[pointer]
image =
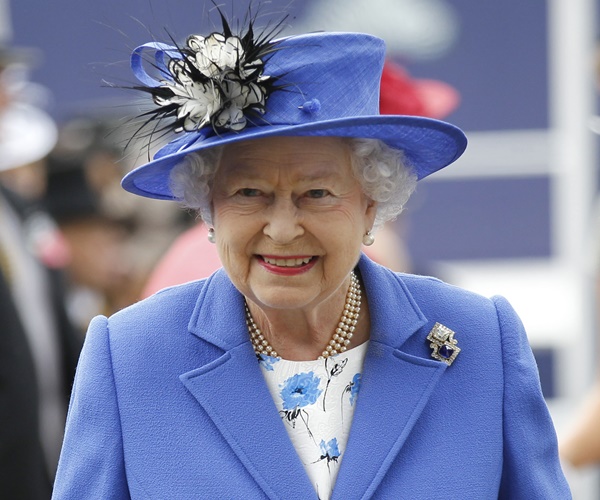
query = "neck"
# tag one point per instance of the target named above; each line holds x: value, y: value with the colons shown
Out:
x: 303, y: 334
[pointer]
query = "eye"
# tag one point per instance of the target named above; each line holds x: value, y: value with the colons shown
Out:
x: 249, y: 192
x: 317, y: 193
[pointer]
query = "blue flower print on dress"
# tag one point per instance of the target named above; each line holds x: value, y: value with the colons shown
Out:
x: 330, y: 450
x: 267, y: 362
x: 354, y: 388
x: 300, y: 390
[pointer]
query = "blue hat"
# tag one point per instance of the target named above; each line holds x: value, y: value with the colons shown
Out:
x: 223, y: 89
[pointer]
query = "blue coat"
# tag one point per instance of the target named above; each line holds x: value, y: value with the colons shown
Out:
x: 170, y: 403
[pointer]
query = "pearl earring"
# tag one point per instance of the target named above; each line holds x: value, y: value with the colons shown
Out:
x: 368, y: 239
x: 211, y: 235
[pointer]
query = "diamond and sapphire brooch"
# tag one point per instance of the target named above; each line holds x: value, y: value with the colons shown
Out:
x: 443, y: 344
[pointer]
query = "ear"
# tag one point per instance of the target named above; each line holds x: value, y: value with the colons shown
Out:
x: 370, y: 213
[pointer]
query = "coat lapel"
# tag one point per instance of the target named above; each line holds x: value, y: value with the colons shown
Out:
x: 395, y: 387
x: 233, y: 392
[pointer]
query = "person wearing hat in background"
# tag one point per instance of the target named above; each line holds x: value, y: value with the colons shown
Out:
x: 99, y: 271
x: 301, y: 369
x: 96, y: 226
x: 192, y: 256
x: 38, y: 344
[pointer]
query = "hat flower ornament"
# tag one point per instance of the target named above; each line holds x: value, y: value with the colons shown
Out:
x: 215, y: 85
x: 226, y: 88
x: 215, y: 81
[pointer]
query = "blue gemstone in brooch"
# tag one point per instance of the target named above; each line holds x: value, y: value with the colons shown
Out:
x: 443, y: 344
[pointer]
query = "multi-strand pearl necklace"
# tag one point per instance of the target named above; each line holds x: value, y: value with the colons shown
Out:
x: 341, y: 337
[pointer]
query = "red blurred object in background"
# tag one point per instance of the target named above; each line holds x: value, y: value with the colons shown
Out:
x: 402, y: 95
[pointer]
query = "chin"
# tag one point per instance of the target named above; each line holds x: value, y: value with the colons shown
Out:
x: 282, y: 298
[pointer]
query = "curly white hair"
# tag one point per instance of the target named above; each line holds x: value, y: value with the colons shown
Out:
x: 384, y: 174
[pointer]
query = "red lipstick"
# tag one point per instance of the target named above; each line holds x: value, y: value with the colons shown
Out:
x: 285, y: 270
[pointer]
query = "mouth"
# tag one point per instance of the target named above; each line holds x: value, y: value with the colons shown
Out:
x: 288, y: 261
x: 287, y: 266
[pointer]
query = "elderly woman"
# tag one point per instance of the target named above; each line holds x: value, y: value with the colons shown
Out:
x: 301, y: 369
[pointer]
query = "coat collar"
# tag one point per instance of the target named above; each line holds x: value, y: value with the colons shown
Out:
x: 233, y: 392
x: 219, y: 313
x: 395, y: 386
x: 232, y: 388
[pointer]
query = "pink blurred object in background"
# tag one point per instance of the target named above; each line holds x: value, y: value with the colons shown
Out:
x: 190, y: 257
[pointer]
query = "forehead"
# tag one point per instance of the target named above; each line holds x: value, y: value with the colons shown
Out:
x: 304, y: 156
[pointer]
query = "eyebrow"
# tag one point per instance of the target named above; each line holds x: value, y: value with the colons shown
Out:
x: 252, y: 171
x: 319, y: 175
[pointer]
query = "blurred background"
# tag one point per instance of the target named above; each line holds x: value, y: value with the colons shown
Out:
x: 517, y: 215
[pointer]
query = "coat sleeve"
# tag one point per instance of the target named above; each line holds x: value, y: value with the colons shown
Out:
x: 92, y: 463
x: 531, y: 468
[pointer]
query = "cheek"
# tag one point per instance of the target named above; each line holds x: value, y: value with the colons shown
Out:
x: 226, y: 224
x: 228, y: 244
x: 341, y: 238
x: 233, y: 239
x: 235, y: 263
x: 349, y: 221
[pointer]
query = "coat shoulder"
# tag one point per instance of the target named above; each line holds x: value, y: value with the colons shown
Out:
x: 156, y: 324
x: 164, y: 307
x: 473, y: 317
x: 432, y: 294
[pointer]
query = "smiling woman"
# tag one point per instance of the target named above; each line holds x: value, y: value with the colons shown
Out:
x: 289, y: 218
x: 301, y: 369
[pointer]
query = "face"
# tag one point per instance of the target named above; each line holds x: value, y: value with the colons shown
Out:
x: 289, y: 218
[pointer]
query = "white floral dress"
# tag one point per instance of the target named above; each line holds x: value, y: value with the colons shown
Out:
x: 316, y: 401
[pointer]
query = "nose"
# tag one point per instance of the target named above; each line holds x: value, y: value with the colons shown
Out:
x: 283, y: 224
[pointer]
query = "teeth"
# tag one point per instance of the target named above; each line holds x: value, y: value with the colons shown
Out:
x: 288, y: 262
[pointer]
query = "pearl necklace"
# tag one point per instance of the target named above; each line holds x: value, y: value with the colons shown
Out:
x: 341, y: 337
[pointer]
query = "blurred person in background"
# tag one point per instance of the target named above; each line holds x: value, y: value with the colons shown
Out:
x: 100, y: 270
x: 38, y: 344
x: 192, y: 256
x: 113, y: 238
x: 580, y: 444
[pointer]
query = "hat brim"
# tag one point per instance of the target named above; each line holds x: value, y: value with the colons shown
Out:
x: 428, y: 144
